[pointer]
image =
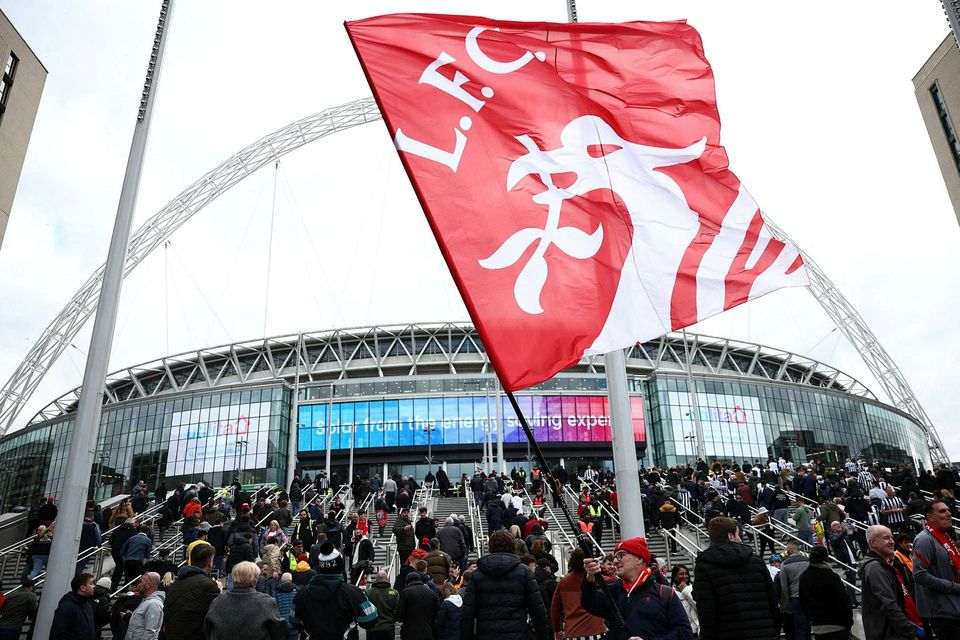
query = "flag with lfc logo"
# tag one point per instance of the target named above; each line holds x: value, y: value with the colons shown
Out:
x: 573, y: 177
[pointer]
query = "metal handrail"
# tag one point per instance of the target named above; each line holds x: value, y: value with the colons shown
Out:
x: 753, y: 529
x: 391, y: 559
x: 175, y: 543
x: 690, y: 547
x: 152, y: 514
x: 471, y: 504
x: 478, y: 533
x: 613, y: 513
x: 17, y: 546
x: 573, y: 544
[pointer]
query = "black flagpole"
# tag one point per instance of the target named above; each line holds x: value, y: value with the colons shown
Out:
x: 582, y: 540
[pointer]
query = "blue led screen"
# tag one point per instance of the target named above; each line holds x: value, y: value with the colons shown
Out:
x: 457, y: 420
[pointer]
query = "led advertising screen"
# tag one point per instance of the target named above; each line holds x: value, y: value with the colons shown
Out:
x: 732, y: 425
x: 457, y: 420
x: 219, y: 439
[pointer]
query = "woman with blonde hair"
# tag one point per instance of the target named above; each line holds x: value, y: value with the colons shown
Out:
x: 270, y: 553
x: 244, y: 612
x: 521, y: 545
x: 275, y: 534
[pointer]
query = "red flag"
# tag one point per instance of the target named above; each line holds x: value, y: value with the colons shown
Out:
x: 574, y: 179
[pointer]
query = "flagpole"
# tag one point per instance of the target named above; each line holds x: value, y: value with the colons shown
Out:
x: 73, y: 498
x: 621, y: 425
x: 545, y: 471
x: 624, y: 447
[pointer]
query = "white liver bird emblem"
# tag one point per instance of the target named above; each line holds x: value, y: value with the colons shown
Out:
x: 593, y: 171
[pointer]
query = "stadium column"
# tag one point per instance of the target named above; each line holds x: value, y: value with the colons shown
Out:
x: 73, y: 498
x: 293, y: 442
x: 501, y: 463
x: 326, y: 469
x: 624, y: 446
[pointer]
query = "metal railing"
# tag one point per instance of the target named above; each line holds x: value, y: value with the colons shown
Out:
x: 97, y: 554
x: 481, y: 536
x: 473, y: 511
x: 698, y: 529
x: 689, y: 547
x: 175, y: 542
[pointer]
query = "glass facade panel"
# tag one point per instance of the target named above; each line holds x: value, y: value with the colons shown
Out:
x: 754, y: 421
x: 212, y: 437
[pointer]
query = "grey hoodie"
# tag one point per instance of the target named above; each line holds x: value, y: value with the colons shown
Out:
x: 790, y: 572
x: 147, y: 619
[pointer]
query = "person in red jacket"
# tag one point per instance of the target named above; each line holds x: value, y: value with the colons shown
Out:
x: 193, y: 508
x: 567, y: 617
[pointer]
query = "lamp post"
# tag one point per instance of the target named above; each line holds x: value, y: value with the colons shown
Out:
x: 429, y: 428
x: 241, y: 446
x: 102, y: 458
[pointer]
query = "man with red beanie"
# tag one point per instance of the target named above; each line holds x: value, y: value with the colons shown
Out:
x: 650, y: 611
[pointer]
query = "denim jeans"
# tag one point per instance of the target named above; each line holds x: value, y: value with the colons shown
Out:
x: 39, y: 563
x: 780, y: 515
x: 801, y: 625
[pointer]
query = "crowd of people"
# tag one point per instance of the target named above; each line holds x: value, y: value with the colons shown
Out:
x: 295, y: 565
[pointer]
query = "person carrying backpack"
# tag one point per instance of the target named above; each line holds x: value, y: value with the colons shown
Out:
x: 327, y: 606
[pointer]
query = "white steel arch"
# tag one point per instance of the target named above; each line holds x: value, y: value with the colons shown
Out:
x: 61, y: 331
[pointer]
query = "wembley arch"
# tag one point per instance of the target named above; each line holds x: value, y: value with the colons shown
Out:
x: 57, y: 336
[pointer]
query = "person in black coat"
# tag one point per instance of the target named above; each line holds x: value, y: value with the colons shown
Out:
x: 425, y: 526
x: 448, y: 616
x: 733, y: 591
x: 443, y: 483
x: 501, y: 595
x: 823, y: 597
x: 123, y: 533
x: 547, y: 583
x: 495, y: 516
x: 417, y: 610
x: 73, y: 619
x: 239, y: 552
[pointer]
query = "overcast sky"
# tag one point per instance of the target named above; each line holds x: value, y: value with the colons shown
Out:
x: 819, y: 121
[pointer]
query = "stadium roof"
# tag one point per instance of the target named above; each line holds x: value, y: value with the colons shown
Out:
x: 429, y: 349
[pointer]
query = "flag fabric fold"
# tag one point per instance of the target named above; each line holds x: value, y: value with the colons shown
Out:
x: 573, y: 177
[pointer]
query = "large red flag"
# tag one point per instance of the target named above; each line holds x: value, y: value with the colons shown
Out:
x: 574, y: 179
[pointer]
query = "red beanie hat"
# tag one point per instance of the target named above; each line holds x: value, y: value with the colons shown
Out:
x: 635, y: 546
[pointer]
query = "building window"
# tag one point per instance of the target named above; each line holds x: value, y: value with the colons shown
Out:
x: 946, y: 123
x: 9, y: 71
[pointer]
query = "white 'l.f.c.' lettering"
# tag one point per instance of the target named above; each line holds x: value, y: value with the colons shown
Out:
x: 486, y: 63
x: 432, y: 76
x: 451, y: 159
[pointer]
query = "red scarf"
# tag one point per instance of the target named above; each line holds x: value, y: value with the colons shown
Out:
x: 953, y: 549
x: 909, y: 606
x: 643, y: 577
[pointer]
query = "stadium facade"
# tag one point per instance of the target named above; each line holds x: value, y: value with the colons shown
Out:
x: 389, y: 397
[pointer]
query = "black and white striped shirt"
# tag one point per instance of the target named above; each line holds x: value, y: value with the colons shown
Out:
x: 866, y: 480
x: 892, y: 503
